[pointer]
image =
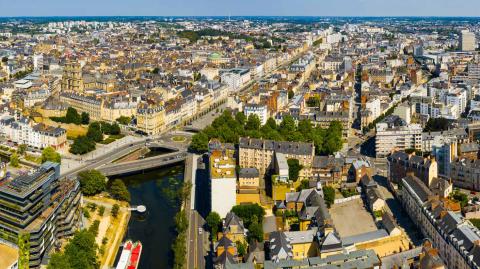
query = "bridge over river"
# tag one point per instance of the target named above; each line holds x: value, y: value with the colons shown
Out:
x: 141, y: 165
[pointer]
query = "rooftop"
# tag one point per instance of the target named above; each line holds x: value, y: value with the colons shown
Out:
x: 26, y: 183
x: 8, y: 256
x: 222, y: 164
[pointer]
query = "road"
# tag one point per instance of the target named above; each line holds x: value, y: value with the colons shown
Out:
x: 128, y: 148
x: 142, y: 164
x: 198, y: 241
x: 197, y: 237
x: 395, y: 208
x: 105, y: 158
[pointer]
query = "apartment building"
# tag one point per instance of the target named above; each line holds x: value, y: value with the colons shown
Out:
x: 259, y: 153
x: 323, y: 119
x: 465, y: 173
x: 359, y: 259
x: 83, y: 103
x: 151, y: 119
x: 40, y: 209
x: 392, y: 134
x: 401, y: 163
x: 115, y: 108
x: 456, y: 240
x: 235, y: 78
x: 429, y: 139
x: 40, y: 136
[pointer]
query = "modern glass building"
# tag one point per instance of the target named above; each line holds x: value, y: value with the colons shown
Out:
x: 37, y: 209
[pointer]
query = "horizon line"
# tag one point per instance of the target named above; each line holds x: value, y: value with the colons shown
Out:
x: 233, y: 16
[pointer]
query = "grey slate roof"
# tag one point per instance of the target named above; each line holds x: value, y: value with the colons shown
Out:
x: 280, y: 247
x: 297, y: 148
x: 418, y: 187
x: 248, y: 172
x: 351, y: 240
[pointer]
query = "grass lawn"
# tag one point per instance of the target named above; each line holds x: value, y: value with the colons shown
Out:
x: 475, y: 222
x: 178, y: 138
x: 111, y: 138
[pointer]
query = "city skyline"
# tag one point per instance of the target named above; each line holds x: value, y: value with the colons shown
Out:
x: 347, y: 8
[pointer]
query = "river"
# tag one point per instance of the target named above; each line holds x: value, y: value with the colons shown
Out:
x: 155, y: 229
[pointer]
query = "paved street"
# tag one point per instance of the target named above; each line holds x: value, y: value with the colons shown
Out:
x: 396, y: 209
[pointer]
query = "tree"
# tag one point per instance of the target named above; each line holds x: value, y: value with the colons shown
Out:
x: 95, y: 132
x: 287, y: 126
x: 242, y: 248
x: 82, y: 145
x: 240, y: 118
x: 333, y: 140
x: 460, y: 197
x: 255, y: 230
x: 101, y: 211
x: 119, y: 191
x: 213, y: 221
x: 85, y: 118
x: 247, y: 211
x: 294, y: 168
x: 50, y: 155
x: 197, y: 76
x: 58, y: 261
x: 22, y: 149
x: 271, y: 123
x: 72, y: 116
x: 329, y: 195
x: 304, y: 184
x: 181, y: 222
x: 253, y: 123
x: 82, y: 251
x: 114, y: 129
x: 94, y: 227
x: 290, y: 94
x: 199, y: 142
x: 124, y: 120
x: 115, y: 210
x: 305, y: 127
x: 92, y: 182
x: 437, y: 124
x: 14, y: 160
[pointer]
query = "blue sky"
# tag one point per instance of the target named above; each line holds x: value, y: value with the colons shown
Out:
x: 240, y: 7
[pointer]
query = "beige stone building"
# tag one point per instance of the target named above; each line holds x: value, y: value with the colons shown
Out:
x: 150, y: 119
x: 259, y: 153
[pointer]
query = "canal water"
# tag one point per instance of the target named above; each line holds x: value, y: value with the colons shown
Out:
x: 157, y: 190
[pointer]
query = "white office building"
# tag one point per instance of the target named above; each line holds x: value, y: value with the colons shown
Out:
x: 467, y: 41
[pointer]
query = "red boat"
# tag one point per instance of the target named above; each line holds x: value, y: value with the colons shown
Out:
x: 130, y: 257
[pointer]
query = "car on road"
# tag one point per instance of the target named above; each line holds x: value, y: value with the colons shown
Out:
x: 200, y: 230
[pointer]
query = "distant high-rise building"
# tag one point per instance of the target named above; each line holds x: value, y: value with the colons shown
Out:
x: 467, y: 41
x: 37, y: 62
x: 418, y: 50
x: 347, y: 64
